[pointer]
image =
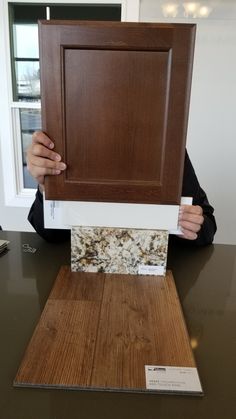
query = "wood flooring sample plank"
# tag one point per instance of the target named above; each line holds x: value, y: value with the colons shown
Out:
x: 61, y: 350
x: 141, y: 323
x: 98, y: 331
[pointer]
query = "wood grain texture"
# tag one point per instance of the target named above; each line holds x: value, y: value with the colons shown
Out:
x: 115, y: 100
x: 98, y: 331
x: 144, y: 326
x: 61, y: 350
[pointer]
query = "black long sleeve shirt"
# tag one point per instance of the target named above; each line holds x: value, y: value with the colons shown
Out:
x: 190, y: 187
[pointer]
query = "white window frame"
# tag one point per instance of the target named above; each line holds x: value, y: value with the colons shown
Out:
x: 10, y: 136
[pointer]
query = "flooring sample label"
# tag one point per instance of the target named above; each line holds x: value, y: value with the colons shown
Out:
x: 172, y: 379
x: 117, y: 250
x: 98, y: 331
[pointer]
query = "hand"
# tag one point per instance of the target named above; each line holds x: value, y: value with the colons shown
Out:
x: 190, y: 221
x: 41, y: 160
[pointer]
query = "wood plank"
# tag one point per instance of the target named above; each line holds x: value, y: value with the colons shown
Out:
x: 98, y: 331
x: 141, y: 323
x: 69, y: 286
x: 61, y: 350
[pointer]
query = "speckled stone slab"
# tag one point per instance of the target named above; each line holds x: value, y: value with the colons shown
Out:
x: 119, y: 250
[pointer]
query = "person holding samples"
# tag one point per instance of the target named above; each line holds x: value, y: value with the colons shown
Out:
x: 196, y: 221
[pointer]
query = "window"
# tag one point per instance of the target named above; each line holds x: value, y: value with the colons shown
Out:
x: 25, y: 62
x: 20, y: 104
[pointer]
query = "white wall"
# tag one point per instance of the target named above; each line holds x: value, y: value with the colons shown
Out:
x: 12, y: 218
x: 211, y: 140
x: 212, y: 128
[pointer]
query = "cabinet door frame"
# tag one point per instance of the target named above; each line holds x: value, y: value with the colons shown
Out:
x: 62, y: 39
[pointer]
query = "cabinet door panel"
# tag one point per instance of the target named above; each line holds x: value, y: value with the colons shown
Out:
x: 115, y: 100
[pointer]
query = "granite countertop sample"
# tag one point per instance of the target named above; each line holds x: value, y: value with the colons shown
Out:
x: 117, y: 250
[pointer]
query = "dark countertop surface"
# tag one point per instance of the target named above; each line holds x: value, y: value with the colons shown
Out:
x: 206, y: 283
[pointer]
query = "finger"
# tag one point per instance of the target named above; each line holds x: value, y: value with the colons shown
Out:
x: 39, y: 137
x: 191, y: 213
x: 39, y: 172
x: 39, y: 162
x: 192, y: 227
x: 191, y: 218
x: 42, y: 151
x: 191, y: 209
x: 43, y: 171
x: 187, y: 234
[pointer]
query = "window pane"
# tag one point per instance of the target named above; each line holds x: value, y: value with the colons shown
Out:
x: 27, y: 80
x: 86, y: 12
x: 27, y: 13
x: 30, y: 120
x: 26, y: 41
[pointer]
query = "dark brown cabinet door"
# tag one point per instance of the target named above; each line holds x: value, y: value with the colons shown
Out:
x: 115, y: 100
